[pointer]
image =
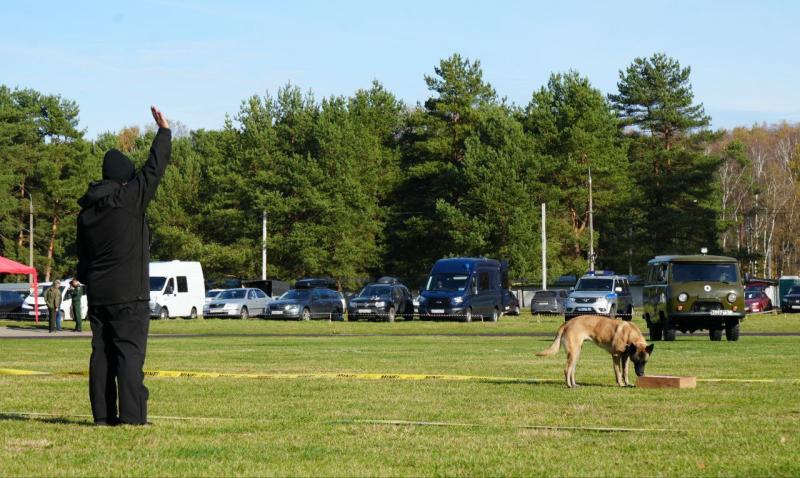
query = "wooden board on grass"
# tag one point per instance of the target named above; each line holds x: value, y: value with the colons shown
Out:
x: 666, y: 381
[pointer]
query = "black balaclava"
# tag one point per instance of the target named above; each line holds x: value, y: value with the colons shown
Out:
x: 117, y: 166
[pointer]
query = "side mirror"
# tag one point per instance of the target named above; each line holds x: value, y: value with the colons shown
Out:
x: 618, y: 289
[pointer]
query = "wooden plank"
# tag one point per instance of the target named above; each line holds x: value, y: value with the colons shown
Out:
x: 666, y: 381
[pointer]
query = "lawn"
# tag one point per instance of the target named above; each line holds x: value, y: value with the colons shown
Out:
x: 331, y: 427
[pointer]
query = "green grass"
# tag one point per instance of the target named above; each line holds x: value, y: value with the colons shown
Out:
x: 297, y: 427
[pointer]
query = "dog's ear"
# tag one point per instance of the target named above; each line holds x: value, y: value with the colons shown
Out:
x: 649, y: 348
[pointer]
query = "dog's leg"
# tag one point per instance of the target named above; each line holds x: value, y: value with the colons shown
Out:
x: 625, y: 363
x: 618, y: 369
x: 573, y: 354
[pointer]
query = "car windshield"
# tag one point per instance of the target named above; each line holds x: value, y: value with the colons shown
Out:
x: 296, y: 294
x: 375, y: 291
x: 752, y: 295
x: 447, y: 282
x: 704, y: 272
x: 232, y: 294
x: 544, y: 294
x: 795, y: 290
x: 157, y: 283
x: 603, y: 285
x: 212, y: 293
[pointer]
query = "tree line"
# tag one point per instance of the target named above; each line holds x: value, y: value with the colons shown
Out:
x: 365, y: 185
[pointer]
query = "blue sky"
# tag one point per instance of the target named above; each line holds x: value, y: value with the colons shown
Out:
x: 198, y: 60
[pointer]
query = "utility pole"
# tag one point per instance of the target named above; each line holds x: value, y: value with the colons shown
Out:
x: 591, y: 225
x: 544, y: 248
x: 30, y: 232
x: 264, y: 245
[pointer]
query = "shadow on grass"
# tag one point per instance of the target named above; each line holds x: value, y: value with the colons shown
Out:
x: 53, y: 420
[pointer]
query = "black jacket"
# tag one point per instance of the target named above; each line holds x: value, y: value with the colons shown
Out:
x: 113, y: 237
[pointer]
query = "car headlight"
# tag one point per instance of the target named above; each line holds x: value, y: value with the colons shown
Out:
x: 231, y: 306
x: 292, y: 308
x: 683, y: 297
x: 731, y: 297
x: 601, y: 302
x: 457, y: 300
x: 380, y: 303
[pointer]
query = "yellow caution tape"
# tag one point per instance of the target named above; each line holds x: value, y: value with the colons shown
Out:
x: 365, y: 376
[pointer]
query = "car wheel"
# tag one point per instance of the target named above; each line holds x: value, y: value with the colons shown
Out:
x: 336, y: 315
x: 193, y: 314
x: 244, y: 313
x: 715, y: 334
x: 628, y: 314
x: 391, y: 314
x: 306, y: 315
x: 163, y: 314
x: 669, y: 331
x: 732, y: 332
x: 468, y: 315
x: 656, y: 332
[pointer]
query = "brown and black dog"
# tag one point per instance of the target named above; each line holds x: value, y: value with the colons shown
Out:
x: 621, y: 339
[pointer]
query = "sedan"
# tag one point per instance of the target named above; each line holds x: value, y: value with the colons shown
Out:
x: 756, y: 301
x: 238, y: 303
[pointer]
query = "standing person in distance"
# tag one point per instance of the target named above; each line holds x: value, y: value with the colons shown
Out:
x: 75, y: 292
x: 52, y: 297
x: 113, y: 262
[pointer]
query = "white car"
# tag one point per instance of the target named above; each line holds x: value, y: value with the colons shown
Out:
x: 242, y: 302
x: 66, y: 304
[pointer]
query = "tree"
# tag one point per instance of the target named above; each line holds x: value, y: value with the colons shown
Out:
x: 672, y: 171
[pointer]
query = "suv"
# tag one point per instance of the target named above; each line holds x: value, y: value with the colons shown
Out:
x: 600, y: 295
x: 384, y: 299
x: 548, y: 301
x: 694, y: 292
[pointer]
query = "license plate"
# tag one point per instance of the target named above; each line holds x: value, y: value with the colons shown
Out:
x: 276, y: 312
x: 364, y: 311
x: 796, y: 307
x: 721, y: 312
x: 543, y: 303
x: 585, y: 309
x: 437, y: 311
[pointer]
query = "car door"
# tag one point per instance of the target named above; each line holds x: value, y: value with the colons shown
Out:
x: 317, y: 303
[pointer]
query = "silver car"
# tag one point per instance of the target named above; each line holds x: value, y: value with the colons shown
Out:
x: 243, y: 302
x: 548, y: 301
x: 600, y: 295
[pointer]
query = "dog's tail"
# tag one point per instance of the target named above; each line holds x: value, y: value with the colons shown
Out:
x: 556, y: 345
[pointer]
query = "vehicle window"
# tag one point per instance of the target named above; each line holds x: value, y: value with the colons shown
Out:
x: 795, y: 290
x: 544, y: 294
x: 595, y: 285
x: 210, y: 293
x: 483, y: 281
x: 170, y: 286
x: 375, y: 291
x: 157, y: 283
x: 447, y: 282
x: 397, y: 294
x: 296, y: 294
x: 232, y: 294
x: 315, y: 294
x: 661, y: 273
x: 182, y: 285
x: 260, y: 294
x: 683, y: 272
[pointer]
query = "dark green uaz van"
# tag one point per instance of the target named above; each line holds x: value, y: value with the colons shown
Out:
x: 695, y: 292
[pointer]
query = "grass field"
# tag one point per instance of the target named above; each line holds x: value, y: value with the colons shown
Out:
x: 320, y: 427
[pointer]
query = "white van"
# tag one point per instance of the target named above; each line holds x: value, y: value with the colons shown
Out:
x: 66, y: 304
x: 177, y: 289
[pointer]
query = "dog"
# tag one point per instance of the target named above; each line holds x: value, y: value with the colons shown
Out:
x: 623, y: 340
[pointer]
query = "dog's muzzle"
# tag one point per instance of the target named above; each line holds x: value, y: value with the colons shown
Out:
x: 639, y: 367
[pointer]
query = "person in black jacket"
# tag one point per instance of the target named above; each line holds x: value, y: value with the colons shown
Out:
x: 113, y: 262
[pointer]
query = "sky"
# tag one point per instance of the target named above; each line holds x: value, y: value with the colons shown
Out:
x: 197, y: 60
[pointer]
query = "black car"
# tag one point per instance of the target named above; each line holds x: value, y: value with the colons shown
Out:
x: 510, y: 303
x: 385, y: 299
x: 11, y: 302
x: 791, y: 301
x: 306, y: 304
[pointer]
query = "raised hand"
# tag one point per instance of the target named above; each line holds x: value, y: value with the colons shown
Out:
x: 161, y: 121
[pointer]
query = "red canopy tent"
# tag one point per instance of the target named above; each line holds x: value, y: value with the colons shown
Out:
x: 7, y: 266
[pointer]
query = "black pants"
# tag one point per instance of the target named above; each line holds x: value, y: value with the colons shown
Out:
x: 119, y: 344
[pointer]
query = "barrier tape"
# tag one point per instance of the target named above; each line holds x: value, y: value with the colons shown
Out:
x: 367, y: 376
x: 523, y: 427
